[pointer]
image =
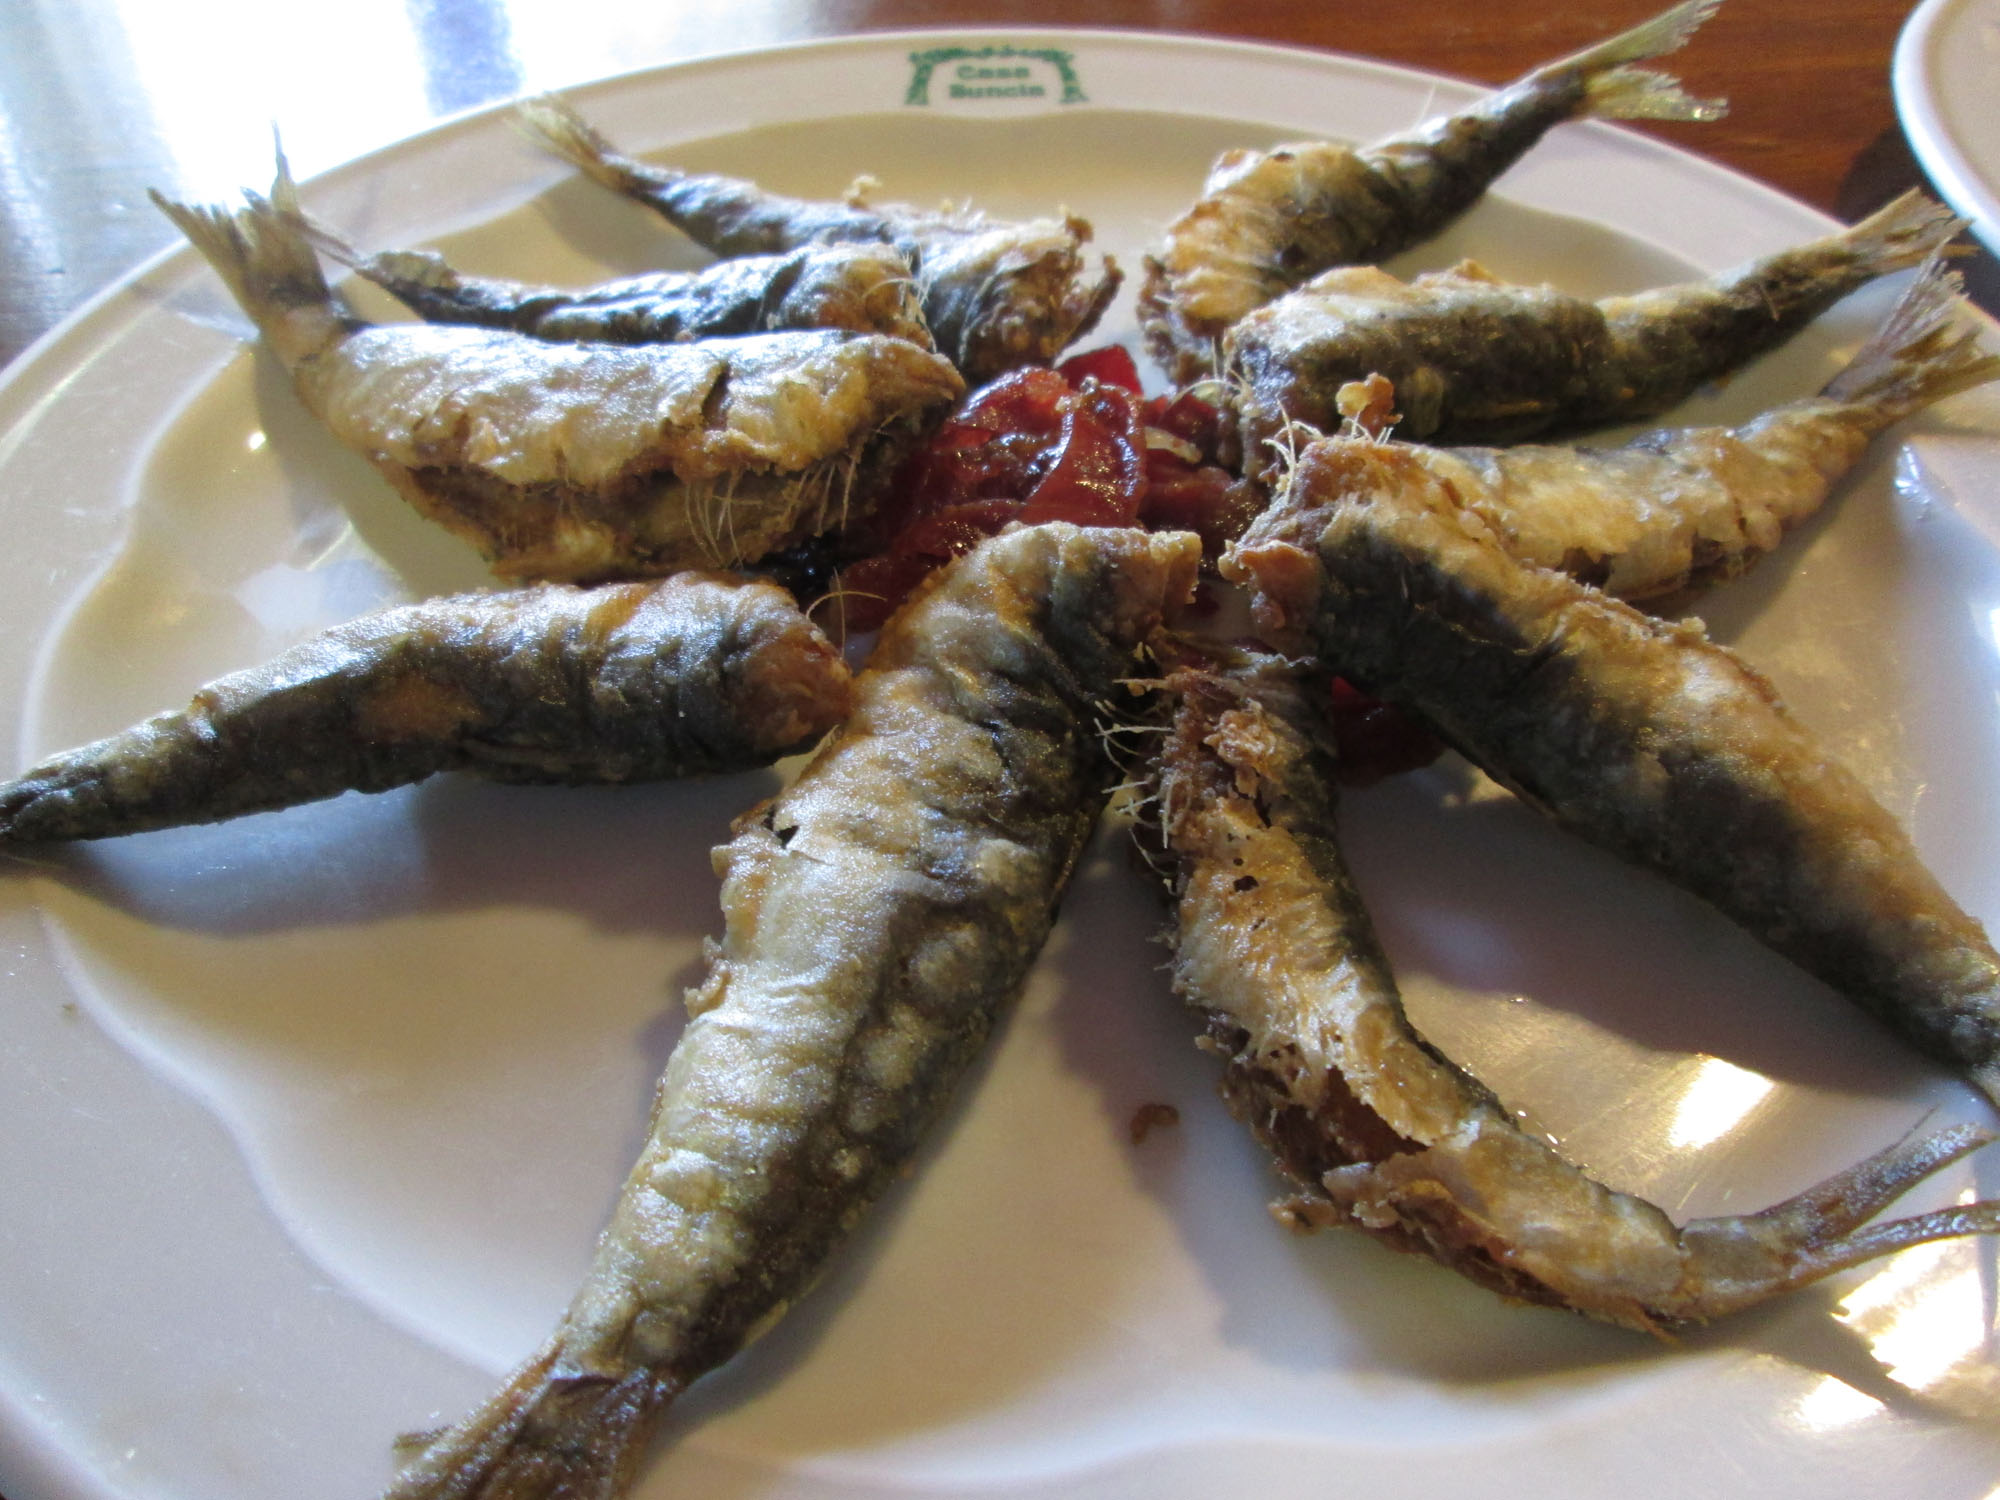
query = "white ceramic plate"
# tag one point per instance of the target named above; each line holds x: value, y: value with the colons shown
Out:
x: 307, y: 1123
x: 1946, y: 78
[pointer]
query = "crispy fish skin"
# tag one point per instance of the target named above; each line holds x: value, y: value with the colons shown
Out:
x: 1679, y: 508
x: 1640, y: 735
x: 1373, y: 1126
x: 864, y: 288
x: 996, y: 295
x: 1474, y: 359
x: 1268, y: 221
x: 623, y: 682
x: 879, y: 914
x: 584, y: 462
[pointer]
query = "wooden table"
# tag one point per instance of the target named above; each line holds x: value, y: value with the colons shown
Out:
x: 100, y: 100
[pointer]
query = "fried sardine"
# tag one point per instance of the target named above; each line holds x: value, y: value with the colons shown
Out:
x: 879, y: 914
x: 1680, y: 508
x: 554, y: 684
x: 863, y: 288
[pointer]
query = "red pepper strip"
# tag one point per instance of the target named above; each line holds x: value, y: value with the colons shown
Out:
x: 957, y: 529
x: 1188, y: 418
x: 1207, y: 501
x: 872, y: 588
x: 1100, y: 469
x: 1028, y: 400
x: 1374, y: 740
x: 1111, y: 365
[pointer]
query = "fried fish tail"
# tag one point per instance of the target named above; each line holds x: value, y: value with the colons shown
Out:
x: 1373, y: 1127
x: 1666, y: 343
x: 1827, y: 1227
x: 269, y: 267
x: 545, y: 1434
x: 627, y: 682
x: 1443, y: 167
x: 880, y: 913
x: 1637, y: 734
x: 1922, y: 353
x: 552, y: 122
x: 1615, y: 90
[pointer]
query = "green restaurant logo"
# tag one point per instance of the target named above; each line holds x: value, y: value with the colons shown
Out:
x: 994, y: 73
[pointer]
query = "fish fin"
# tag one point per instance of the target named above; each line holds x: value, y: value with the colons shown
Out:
x: 422, y: 279
x: 551, y: 121
x: 263, y: 255
x: 1904, y: 232
x: 1920, y: 354
x: 545, y: 1435
x: 1743, y: 1260
x: 1646, y: 94
x: 333, y: 246
x: 1615, y: 91
x: 1666, y: 32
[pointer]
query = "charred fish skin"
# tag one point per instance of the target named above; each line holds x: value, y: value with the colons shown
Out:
x: 579, y: 462
x: 697, y: 674
x: 1677, y: 509
x: 1478, y: 360
x: 996, y: 295
x: 864, y: 288
x: 1372, y: 1126
x: 1637, y: 734
x: 1268, y: 221
x: 879, y: 914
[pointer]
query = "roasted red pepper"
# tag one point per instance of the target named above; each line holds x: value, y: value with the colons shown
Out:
x: 1099, y: 474
x: 1068, y: 444
x: 1374, y: 740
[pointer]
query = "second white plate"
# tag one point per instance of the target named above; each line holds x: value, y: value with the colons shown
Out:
x: 1946, y: 77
